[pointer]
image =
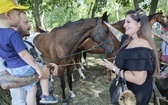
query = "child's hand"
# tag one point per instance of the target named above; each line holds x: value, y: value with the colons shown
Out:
x: 39, y: 72
x: 43, y: 72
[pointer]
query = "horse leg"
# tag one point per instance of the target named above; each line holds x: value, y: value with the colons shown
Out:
x: 61, y: 76
x: 69, y: 75
x: 80, y: 65
x: 81, y: 73
x: 72, y: 77
x: 84, y: 57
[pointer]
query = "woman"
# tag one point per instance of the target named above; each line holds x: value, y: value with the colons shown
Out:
x: 137, y: 58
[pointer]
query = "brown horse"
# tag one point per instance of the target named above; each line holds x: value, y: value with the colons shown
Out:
x: 60, y: 45
x: 88, y: 43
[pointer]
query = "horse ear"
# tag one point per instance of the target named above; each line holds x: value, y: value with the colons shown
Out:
x: 105, y: 17
x: 161, y: 12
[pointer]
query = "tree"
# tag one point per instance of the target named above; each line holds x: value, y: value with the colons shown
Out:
x: 36, y: 14
x: 136, y: 4
x: 153, y: 7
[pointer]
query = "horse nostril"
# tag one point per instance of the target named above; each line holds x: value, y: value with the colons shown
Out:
x: 109, y: 50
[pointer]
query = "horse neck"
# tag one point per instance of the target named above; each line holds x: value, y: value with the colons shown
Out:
x: 86, y: 27
x: 80, y: 41
x: 152, y: 21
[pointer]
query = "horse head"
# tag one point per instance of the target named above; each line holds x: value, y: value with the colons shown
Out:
x: 102, y: 35
x: 156, y: 17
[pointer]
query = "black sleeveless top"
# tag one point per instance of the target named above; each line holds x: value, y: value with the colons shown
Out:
x: 138, y: 59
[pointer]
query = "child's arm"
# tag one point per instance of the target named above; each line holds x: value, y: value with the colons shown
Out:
x: 30, y: 61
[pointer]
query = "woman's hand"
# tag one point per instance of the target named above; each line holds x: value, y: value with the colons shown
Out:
x: 109, y: 65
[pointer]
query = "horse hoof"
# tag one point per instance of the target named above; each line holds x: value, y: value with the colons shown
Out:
x: 84, y: 77
x: 72, y: 94
x: 64, y: 102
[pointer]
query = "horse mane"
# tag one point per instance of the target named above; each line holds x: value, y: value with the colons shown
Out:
x: 120, y: 21
x: 81, y: 40
x: 39, y: 29
x: 68, y: 24
x: 153, y: 15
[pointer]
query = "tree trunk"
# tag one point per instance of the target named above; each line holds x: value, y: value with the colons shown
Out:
x: 153, y: 7
x: 37, y: 15
x: 94, y: 8
x: 136, y: 4
x: 90, y: 8
x: 117, y: 11
x: 5, y: 97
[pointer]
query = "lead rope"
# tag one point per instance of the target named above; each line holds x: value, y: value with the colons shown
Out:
x: 94, y: 47
x: 79, y: 63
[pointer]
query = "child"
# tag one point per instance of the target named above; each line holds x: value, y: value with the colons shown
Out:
x: 13, y: 50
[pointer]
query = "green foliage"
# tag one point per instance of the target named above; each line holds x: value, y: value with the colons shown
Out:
x: 162, y: 5
x: 100, y: 5
x: 124, y: 3
x: 62, y: 14
x: 58, y: 12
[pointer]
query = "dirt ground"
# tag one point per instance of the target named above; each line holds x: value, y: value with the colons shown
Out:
x: 94, y: 90
x: 90, y: 91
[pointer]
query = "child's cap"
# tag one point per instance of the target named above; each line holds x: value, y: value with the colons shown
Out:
x: 7, y: 5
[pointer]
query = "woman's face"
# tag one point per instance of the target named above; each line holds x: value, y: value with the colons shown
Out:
x: 131, y: 26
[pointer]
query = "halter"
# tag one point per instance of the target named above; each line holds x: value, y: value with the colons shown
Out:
x: 97, y: 33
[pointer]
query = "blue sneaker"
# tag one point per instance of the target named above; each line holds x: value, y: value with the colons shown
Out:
x: 50, y: 99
